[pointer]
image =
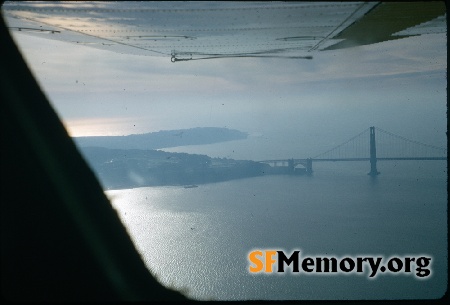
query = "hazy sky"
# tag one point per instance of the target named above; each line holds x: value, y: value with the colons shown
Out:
x: 399, y: 86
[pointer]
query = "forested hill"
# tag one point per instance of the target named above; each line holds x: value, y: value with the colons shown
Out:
x: 164, y: 138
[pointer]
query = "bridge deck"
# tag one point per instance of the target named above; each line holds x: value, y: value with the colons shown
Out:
x: 383, y: 159
x: 357, y: 159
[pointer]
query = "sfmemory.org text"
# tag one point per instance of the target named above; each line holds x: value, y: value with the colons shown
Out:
x: 269, y: 261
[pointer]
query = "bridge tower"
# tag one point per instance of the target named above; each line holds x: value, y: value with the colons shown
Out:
x: 373, y: 154
x: 309, y: 169
x: 291, y: 166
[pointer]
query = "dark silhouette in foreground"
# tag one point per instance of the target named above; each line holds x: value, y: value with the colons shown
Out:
x: 60, y: 238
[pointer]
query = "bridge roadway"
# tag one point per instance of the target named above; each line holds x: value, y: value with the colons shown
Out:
x: 299, y: 161
x: 307, y: 163
x: 382, y: 159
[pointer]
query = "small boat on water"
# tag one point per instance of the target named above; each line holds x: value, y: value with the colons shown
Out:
x: 190, y: 186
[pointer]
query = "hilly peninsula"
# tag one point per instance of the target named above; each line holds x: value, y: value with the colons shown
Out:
x: 163, y: 138
x: 129, y: 168
x: 135, y: 160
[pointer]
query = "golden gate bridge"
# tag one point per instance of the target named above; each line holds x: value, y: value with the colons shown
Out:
x: 365, y: 146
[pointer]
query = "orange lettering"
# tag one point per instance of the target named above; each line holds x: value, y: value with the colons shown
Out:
x: 256, y: 261
x: 269, y: 260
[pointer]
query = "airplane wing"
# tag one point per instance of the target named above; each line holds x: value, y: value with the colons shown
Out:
x: 205, y: 30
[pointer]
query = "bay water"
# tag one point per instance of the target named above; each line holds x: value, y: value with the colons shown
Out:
x: 197, y: 239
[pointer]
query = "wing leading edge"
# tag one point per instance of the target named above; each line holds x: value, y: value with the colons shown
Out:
x: 206, y: 30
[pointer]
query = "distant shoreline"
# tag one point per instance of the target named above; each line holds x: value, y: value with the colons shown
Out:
x: 163, y: 138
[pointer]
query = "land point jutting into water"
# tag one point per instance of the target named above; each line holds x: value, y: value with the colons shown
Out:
x: 129, y: 168
x: 134, y: 161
